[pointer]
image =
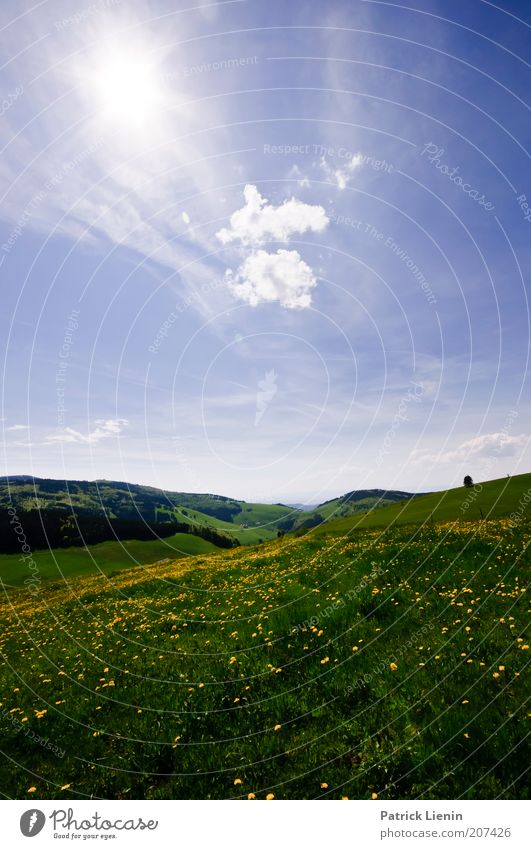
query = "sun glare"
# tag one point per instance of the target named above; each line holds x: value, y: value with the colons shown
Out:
x: 126, y: 87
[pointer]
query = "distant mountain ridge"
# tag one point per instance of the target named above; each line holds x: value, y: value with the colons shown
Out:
x: 246, y: 522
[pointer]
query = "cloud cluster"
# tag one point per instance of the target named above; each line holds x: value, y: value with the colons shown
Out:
x: 266, y: 277
x: 498, y: 444
x: 104, y: 429
x: 259, y: 221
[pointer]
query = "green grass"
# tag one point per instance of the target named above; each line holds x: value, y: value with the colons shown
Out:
x: 385, y: 662
x: 261, y: 518
x: 493, y: 499
x: 105, y: 557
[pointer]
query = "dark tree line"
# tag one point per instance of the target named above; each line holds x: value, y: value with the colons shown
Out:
x: 63, y: 528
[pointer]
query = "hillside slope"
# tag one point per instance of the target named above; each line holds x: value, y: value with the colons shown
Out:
x: 249, y: 523
x: 492, y: 499
x: 306, y: 668
x: 357, y: 501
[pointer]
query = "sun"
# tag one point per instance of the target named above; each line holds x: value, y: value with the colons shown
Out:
x: 125, y: 86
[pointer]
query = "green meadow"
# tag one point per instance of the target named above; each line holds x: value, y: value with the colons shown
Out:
x: 351, y: 662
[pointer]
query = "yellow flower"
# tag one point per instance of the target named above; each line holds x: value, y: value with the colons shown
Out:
x: 344, y: 798
x: 325, y: 660
x: 355, y: 648
x: 393, y: 667
x: 66, y: 786
x: 31, y: 789
x: 278, y: 727
x: 464, y: 702
x: 251, y: 795
x: 324, y: 785
x: 237, y: 781
x: 374, y: 795
x: 495, y: 674
x: 501, y: 668
x: 270, y: 796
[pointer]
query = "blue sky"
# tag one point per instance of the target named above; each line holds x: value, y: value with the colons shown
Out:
x: 272, y: 250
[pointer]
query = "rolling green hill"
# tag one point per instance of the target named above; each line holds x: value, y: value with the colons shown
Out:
x: 249, y: 523
x: 372, y: 666
x: 357, y: 501
x: 492, y: 499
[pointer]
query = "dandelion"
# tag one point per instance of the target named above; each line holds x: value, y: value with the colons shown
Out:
x: 374, y: 795
x: 251, y: 795
x: 66, y: 787
x: 278, y: 727
x: 270, y: 796
x: 31, y: 789
x: 393, y: 667
x: 324, y: 785
x: 344, y: 798
x: 495, y: 674
x: 237, y: 781
x: 355, y: 648
x: 325, y: 660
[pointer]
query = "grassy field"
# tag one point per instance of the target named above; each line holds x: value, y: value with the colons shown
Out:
x: 384, y: 663
x: 261, y: 520
x: 107, y: 557
x: 493, y: 499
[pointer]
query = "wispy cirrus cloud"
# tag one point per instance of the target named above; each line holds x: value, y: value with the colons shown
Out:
x: 341, y: 176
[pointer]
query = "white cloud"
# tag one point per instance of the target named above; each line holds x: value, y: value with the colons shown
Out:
x: 341, y: 176
x: 259, y: 220
x: 492, y: 445
x: 265, y: 277
x: 17, y: 427
x: 104, y: 429
x: 295, y: 173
